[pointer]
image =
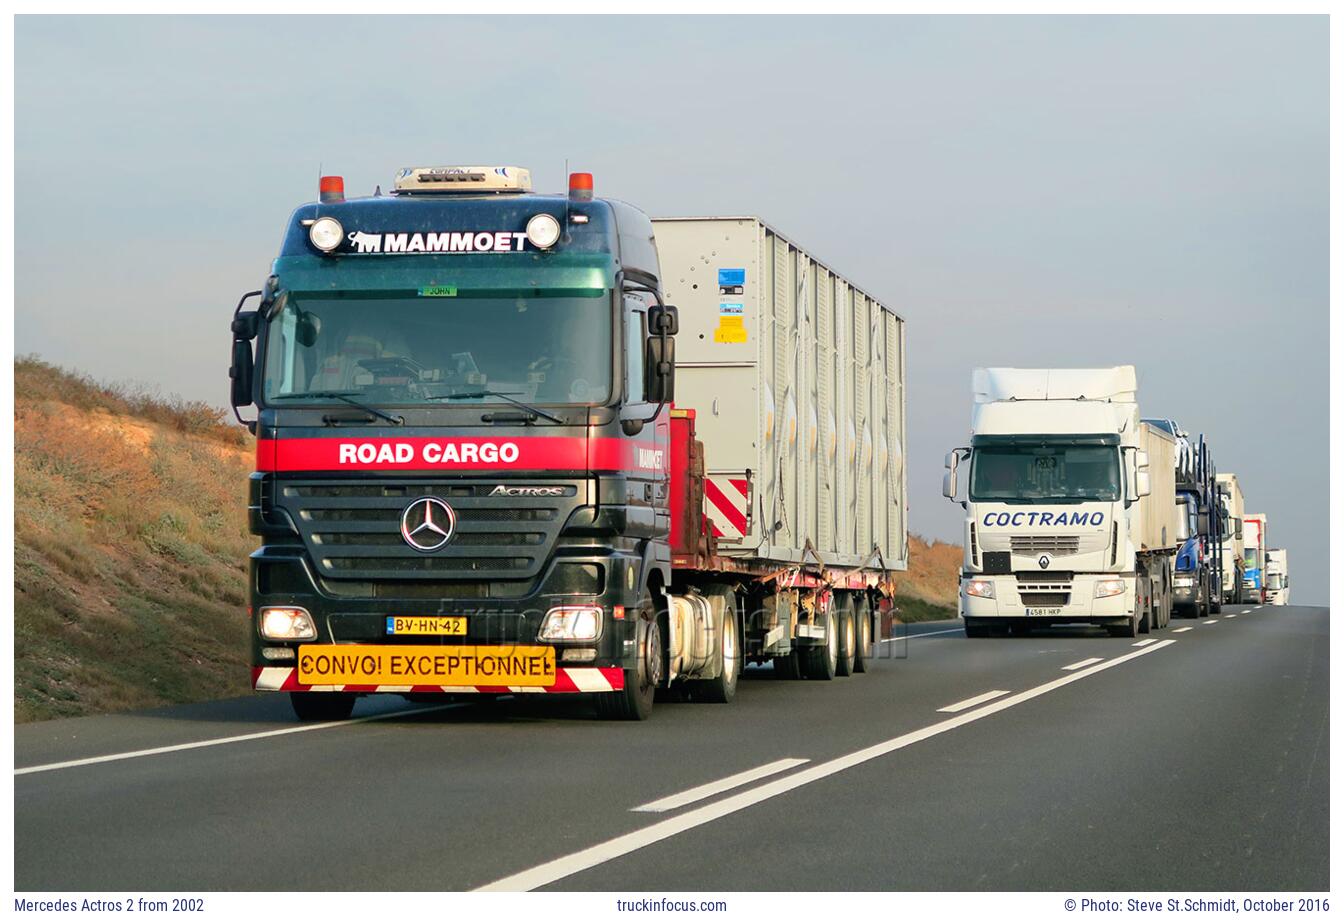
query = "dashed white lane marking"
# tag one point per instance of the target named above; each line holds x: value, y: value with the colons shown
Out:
x: 1230, y: 616
x: 1210, y: 622
x: 1142, y: 642
x: 232, y: 739
x: 1183, y: 629
x: 1081, y: 664
x: 600, y: 853
x: 922, y: 635
x: 974, y: 701
x: 722, y: 785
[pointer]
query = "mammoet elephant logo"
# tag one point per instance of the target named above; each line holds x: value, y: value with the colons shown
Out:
x: 366, y: 242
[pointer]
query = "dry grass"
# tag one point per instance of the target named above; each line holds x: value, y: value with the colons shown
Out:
x: 131, y: 546
x: 927, y: 590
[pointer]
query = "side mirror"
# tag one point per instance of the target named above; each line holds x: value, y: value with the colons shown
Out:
x: 950, y: 476
x: 1143, y: 484
x: 240, y: 373
x: 245, y: 325
x: 1141, y: 461
x: 1205, y: 524
x: 1238, y: 520
x: 663, y: 320
x: 660, y: 358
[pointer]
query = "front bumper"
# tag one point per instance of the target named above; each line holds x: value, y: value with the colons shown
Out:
x: 1082, y: 605
x: 567, y: 680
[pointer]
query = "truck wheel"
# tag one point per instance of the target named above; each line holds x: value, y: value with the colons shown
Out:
x: 819, y: 660
x: 1146, y: 621
x: 723, y: 688
x: 1128, y: 630
x: 322, y: 707
x: 863, y: 632
x: 847, y: 644
x: 976, y: 629
x: 634, y: 703
x: 787, y: 667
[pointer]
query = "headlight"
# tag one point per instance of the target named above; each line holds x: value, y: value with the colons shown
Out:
x: 580, y: 624
x: 1110, y: 587
x: 287, y: 624
x: 543, y: 231
x: 979, y: 588
x: 326, y: 233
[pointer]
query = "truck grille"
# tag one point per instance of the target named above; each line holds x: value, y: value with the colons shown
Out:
x: 1055, y: 546
x: 352, y: 529
x: 1045, y: 599
x: 1044, y: 589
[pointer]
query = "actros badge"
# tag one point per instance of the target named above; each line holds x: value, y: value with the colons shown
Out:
x: 427, y: 524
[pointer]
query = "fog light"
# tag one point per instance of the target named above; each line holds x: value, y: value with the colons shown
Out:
x: 278, y: 654
x: 543, y: 231
x: 1109, y: 587
x: 326, y: 233
x: 577, y: 624
x: 979, y: 588
x: 286, y: 623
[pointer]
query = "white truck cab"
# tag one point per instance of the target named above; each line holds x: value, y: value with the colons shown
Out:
x: 1070, y: 503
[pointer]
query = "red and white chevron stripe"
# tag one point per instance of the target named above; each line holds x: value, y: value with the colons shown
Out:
x: 567, y: 680
x: 727, y: 502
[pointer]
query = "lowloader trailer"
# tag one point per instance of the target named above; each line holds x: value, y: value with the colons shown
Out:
x: 1071, y: 505
x: 472, y: 476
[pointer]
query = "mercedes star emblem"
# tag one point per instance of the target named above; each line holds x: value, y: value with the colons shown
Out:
x: 427, y: 524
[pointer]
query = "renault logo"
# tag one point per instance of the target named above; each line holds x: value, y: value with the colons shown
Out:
x: 427, y: 524
x: 1043, y: 562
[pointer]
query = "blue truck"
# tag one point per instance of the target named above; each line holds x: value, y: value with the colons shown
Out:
x: 1197, y: 587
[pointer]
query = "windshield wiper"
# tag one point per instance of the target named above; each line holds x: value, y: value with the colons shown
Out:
x: 344, y: 396
x: 507, y: 397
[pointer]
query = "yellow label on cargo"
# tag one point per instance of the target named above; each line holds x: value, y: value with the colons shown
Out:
x: 426, y: 626
x: 731, y: 330
x: 447, y: 666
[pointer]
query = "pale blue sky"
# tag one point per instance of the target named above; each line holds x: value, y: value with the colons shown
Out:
x: 1024, y: 190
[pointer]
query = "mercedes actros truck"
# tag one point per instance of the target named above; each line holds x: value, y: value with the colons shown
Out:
x: 472, y: 476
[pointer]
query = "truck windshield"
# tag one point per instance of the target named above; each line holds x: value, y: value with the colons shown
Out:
x: 1252, y: 558
x: 420, y: 350
x: 1038, y: 473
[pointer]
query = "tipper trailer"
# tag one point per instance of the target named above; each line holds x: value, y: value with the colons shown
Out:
x: 1071, y: 505
x: 472, y: 477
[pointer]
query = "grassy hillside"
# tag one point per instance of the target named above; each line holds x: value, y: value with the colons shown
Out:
x: 130, y: 547
x: 928, y: 589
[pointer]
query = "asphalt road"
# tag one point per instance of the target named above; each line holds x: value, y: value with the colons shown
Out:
x: 1062, y: 761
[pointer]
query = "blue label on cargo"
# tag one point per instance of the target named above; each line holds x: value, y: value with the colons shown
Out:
x: 390, y: 628
x: 731, y: 277
x: 730, y: 309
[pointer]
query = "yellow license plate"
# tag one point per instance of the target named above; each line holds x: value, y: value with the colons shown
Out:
x: 426, y: 626
x: 447, y: 666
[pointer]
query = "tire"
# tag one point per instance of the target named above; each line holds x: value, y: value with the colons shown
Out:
x: 1125, y: 631
x: 723, y: 688
x: 634, y: 702
x: 847, y: 643
x: 819, y: 661
x: 976, y: 630
x: 787, y: 667
x: 322, y: 707
x: 863, y: 620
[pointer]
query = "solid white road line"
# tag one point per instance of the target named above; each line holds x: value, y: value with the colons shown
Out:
x: 232, y: 739
x: 974, y: 701
x: 1081, y: 664
x: 1183, y: 629
x: 566, y: 866
x: 722, y: 785
x: 922, y: 635
x: 1142, y: 642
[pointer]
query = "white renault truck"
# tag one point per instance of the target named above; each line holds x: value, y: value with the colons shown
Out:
x: 1234, y: 545
x: 1071, y: 512
x: 1276, y: 577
